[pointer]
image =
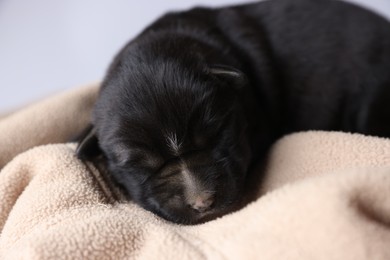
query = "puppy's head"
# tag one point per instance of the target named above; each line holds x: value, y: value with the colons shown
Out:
x: 174, y: 137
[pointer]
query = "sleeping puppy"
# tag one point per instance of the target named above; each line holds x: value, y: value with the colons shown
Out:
x: 191, y: 104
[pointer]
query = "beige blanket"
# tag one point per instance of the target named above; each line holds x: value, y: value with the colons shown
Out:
x: 327, y: 197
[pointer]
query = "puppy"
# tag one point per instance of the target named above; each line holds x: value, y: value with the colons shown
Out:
x: 189, y: 106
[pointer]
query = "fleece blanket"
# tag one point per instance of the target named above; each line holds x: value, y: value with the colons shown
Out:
x: 324, y: 195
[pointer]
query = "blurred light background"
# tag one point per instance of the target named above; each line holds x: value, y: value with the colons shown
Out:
x: 47, y: 46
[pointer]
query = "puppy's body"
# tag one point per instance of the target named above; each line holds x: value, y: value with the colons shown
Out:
x: 188, y: 106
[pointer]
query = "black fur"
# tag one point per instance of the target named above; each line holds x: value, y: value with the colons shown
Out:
x: 222, y: 85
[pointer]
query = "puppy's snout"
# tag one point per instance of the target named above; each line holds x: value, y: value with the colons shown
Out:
x: 202, y: 202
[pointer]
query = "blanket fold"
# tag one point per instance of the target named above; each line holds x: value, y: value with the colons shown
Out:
x: 57, y: 119
x: 324, y: 195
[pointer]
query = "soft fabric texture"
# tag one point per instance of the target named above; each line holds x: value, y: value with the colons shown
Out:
x: 325, y: 195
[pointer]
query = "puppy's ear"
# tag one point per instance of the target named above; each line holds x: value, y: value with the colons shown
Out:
x: 88, y: 147
x: 229, y: 74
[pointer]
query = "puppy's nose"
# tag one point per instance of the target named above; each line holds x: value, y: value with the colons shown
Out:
x: 202, y: 202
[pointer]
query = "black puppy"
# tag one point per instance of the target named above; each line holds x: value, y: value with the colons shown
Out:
x: 189, y: 105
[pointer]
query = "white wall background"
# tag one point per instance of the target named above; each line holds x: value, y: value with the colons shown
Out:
x: 50, y: 45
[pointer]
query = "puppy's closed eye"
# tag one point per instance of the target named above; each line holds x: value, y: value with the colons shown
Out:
x: 123, y: 155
